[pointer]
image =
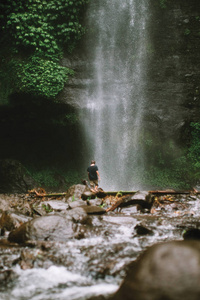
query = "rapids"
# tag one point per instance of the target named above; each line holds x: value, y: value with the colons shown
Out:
x: 81, y: 269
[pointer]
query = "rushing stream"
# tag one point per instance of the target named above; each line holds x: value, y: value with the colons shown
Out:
x: 113, y: 117
x: 79, y: 269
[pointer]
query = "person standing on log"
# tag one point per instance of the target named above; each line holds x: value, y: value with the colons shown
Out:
x: 93, y: 175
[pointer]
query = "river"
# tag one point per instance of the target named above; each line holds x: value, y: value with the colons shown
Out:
x: 80, y: 269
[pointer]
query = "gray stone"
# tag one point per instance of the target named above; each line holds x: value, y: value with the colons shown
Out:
x: 53, y: 228
x: 76, y: 191
x: 56, y: 205
x: 76, y: 203
x: 10, y: 220
x: 87, y: 195
x: 165, y: 271
x: 94, y: 210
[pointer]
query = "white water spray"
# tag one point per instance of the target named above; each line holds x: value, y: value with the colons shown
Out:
x: 113, y: 116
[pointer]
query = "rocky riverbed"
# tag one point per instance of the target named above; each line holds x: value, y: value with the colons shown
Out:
x: 64, y: 247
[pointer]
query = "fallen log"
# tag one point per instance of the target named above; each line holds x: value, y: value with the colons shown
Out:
x: 122, y: 193
x: 51, y: 195
x: 128, y: 200
x: 170, y: 192
x: 43, y: 194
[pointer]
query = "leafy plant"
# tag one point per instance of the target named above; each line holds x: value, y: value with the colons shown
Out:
x: 73, y: 198
x: 39, y: 77
x: 194, y: 149
x: 47, y: 208
x: 35, y: 34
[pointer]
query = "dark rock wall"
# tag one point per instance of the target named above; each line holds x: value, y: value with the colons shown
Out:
x: 174, y: 68
x: 172, y: 83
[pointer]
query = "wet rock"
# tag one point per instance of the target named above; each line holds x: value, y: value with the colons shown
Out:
x: 87, y: 195
x: 79, y: 215
x: 101, y: 194
x: 129, y: 210
x: 76, y: 191
x: 192, y: 197
x: 53, y: 228
x: 56, y: 205
x: 10, y: 221
x: 143, y: 195
x: 143, y: 230
x: 5, y: 202
x: 143, y: 198
x: 164, y: 271
x: 192, y: 234
x: 29, y: 257
x: 94, y: 210
x: 40, y: 210
x: 98, y: 298
x: 7, y: 276
x: 77, y: 203
x: 95, y: 202
x: 14, y: 178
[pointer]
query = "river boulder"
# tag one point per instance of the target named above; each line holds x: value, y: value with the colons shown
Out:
x: 75, y: 191
x: 164, y: 271
x: 11, y: 220
x: 51, y: 227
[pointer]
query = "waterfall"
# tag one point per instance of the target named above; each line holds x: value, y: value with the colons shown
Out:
x: 112, y: 120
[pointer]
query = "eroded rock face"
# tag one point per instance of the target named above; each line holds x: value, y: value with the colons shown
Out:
x: 173, y: 68
x: 165, y: 271
x: 172, y: 72
x: 14, y: 177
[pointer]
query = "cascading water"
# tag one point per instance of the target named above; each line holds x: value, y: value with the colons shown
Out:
x: 113, y: 117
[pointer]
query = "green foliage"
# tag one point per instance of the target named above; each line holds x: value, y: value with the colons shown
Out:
x: 40, y: 77
x: 194, y: 149
x: 172, y: 168
x: 73, y: 198
x: 44, y: 178
x: 167, y: 164
x: 44, y: 27
x: 41, y: 31
x: 47, y: 208
x: 163, y: 3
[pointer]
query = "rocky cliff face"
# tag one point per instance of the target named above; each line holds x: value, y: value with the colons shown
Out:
x: 170, y: 86
x: 173, y: 76
x: 174, y: 67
